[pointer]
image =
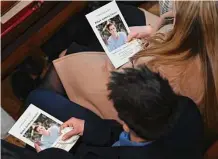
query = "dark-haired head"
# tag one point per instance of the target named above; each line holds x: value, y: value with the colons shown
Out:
x: 144, y: 101
x: 109, y: 24
x: 40, y: 130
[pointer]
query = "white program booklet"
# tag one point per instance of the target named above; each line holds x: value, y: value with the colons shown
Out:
x: 37, y: 126
x: 112, y: 31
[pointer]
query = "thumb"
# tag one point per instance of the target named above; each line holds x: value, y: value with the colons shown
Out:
x: 69, y: 134
x: 37, y: 147
x: 131, y: 36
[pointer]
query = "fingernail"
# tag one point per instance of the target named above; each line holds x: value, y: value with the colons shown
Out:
x: 63, y: 138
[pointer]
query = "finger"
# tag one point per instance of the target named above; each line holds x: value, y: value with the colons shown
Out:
x: 65, y: 124
x: 131, y: 29
x: 131, y: 36
x: 68, y: 123
x: 37, y: 147
x: 69, y: 134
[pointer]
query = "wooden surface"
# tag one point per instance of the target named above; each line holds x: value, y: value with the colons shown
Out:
x: 38, y: 38
x: 14, y: 10
x: 9, y: 102
x: 15, y: 141
x: 6, y: 5
x: 152, y: 7
x: 26, y: 24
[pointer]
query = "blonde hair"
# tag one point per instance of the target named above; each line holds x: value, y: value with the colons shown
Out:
x: 195, y: 34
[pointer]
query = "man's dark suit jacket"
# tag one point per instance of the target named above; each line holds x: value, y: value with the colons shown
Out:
x: 184, y: 141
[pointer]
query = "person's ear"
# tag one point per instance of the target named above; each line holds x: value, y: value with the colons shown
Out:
x: 126, y: 128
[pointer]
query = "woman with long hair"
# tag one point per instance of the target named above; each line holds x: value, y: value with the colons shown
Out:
x: 190, y: 50
x: 187, y: 56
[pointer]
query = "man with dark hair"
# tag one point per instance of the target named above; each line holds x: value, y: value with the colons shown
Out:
x: 48, y: 136
x: 116, y: 39
x: 144, y: 102
x: 108, y: 25
x: 155, y: 122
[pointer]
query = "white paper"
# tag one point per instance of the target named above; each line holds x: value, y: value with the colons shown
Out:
x: 116, y: 47
x: 37, y: 126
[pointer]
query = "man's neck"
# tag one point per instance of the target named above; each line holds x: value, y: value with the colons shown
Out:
x: 47, y: 133
x: 115, y: 36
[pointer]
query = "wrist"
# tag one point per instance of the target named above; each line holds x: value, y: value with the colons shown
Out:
x: 148, y: 30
